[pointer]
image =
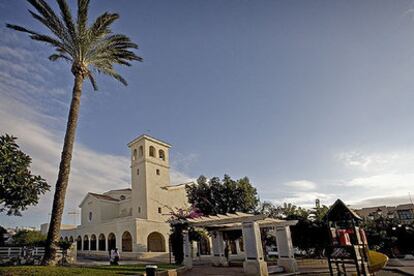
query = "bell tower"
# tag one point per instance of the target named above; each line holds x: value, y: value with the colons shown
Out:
x: 150, y: 172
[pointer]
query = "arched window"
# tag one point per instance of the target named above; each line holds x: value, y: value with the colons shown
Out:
x: 85, y: 242
x: 155, y: 242
x: 141, y: 151
x: 101, y: 242
x: 126, y: 242
x: 151, y: 151
x: 161, y: 155
x: 71, y: 239
x: 79, y: 243
x: 111, y: 241
x: 90, y: 216
x: 134, y: 155
x: 93, y: 242
x: 66, y: 239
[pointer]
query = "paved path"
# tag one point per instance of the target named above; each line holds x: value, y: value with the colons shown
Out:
x: 214, y: 271
x: 207, y: 270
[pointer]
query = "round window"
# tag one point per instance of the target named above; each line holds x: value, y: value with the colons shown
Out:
x: 122, y: 197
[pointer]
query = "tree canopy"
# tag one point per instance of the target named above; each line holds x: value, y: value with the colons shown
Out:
x: 215, y: 196
x: 19, y: 188
x: 29, y: 238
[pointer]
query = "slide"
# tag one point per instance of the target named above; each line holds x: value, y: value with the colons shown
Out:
x: 377, y: 261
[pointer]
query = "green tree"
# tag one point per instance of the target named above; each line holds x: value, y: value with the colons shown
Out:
x: 215, y: 196
x: 29, y: 238
x: 18, y: 187
x: 88, y: 49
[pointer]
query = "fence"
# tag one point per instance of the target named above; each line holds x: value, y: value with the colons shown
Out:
x: 31, y: 255
x: 10, y: 252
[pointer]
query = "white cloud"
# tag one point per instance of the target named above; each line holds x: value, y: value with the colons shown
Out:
x: 385, y: 175
x: 302, y: 185
x: 306, y: 199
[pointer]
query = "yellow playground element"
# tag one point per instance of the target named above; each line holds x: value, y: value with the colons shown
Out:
x: 377, y: 261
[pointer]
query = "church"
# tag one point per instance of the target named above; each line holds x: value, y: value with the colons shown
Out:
x: 133, y: 219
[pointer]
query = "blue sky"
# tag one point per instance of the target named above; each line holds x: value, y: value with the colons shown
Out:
x: 307, y: 98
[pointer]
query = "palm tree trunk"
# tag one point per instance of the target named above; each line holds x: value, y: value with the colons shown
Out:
x: 63, y: 176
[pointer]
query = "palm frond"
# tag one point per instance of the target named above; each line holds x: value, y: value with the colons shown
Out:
x: 19, y: 28
x: 101, y: 26
x: 93, y: 81
x: 49, y: 40
x: 67, y: 18
x: 82, y: 16
x: 55, y: 57
x: 91, y: 49
x: 112, y: 73
x: 48, y: 17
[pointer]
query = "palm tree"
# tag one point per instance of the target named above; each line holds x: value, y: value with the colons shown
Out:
x: 89, y: 49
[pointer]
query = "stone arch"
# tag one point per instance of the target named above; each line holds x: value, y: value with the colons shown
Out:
x: 151, y: 151
x: 66, y: 239
x: 141, y: 151
x: 101, y: 242
x: 155, y: 242
x: 71, y: 239
x: 93, y: 242
x: 126, y: 242
x: 85, y: 242
x: 79, y: 243
x: 111, y: 241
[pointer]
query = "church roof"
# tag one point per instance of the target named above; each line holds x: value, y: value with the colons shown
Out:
x: 146, y: 136
x: 120, y: 190
x: 176, y: 186
x: 98, y: 196
x: 105, y: 197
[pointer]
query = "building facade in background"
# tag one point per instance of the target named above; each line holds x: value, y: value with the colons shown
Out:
x: 133, y: 219
x: 404, y: 213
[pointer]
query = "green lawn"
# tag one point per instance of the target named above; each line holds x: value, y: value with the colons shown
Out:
x: 96, y: 270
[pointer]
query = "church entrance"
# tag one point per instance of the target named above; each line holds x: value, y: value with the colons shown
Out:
x: 155, y: 242
x: 126, y: 242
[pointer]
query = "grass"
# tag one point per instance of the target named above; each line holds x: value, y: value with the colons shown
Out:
x: 138, y: 269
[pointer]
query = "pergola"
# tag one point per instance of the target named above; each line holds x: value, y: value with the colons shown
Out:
x: 254, y: 263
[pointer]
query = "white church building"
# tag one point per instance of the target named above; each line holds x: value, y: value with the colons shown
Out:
x: 132, y: 219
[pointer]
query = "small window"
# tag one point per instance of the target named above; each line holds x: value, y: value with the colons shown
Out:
x: 159, y: 210
x: 158, y: 172
x: 141, y: 151
x: 90, y: 216
x: 139, y: 209
x: 161, y: 155
x: 137, y: 171
x: 152, y: 151
x: 134, y: 155
x: 122, y: 197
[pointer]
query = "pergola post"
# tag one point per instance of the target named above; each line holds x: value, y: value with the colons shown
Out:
x: 285, y: 249
x: 238, y: 251
x: 254, y: 263
x: 218, y: 249
x: 188, y: 258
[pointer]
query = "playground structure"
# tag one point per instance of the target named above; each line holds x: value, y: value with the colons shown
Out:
x: 348, y: 252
